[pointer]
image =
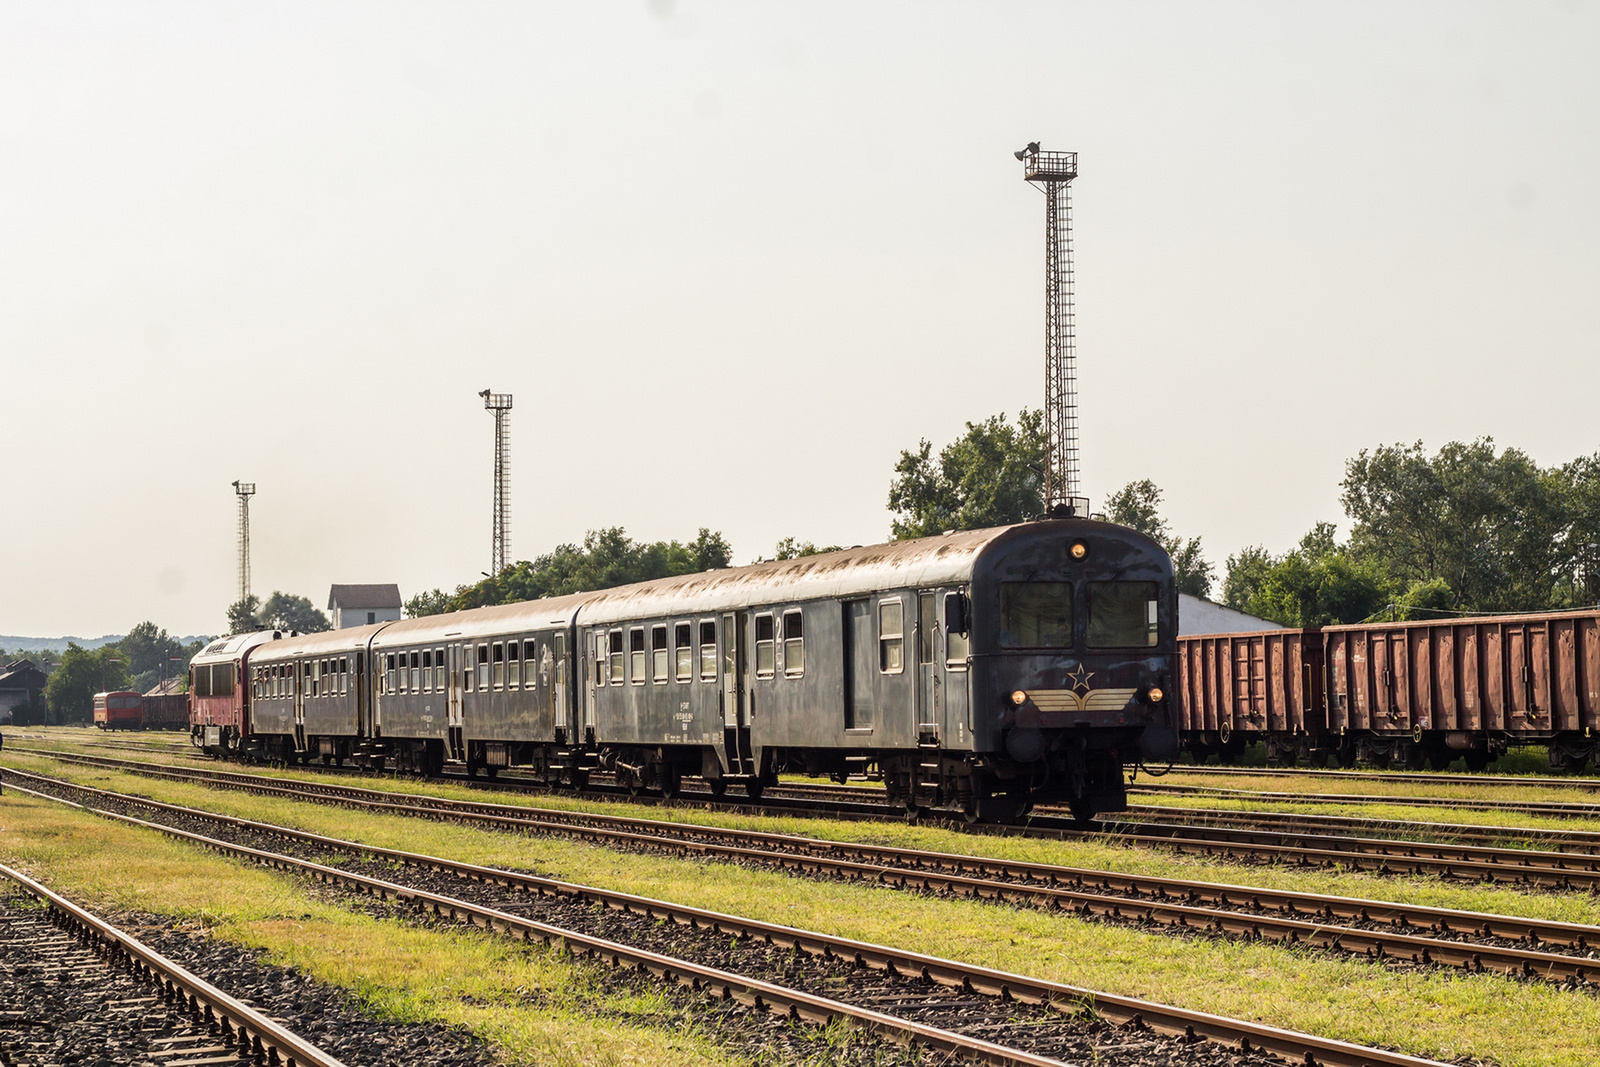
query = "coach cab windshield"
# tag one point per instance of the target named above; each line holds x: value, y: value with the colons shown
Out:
x: 1042, y: 614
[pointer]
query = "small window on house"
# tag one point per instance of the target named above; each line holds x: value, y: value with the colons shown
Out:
x: 683, y: 651
x: 513, y: 664
x: 891, y: 637
x: 483, y: 668
x: 438, y: 670
x: 372, y: 617
x: 416, y: 672
x: 794, y: 644
x: 614, y: 654
x: 708, y: 651
x: 766, y: 654
x: 636, y: 655
x: 658, y: 653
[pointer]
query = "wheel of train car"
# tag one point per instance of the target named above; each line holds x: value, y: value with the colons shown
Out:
x: 635, y: 786
x: 1477, y: 759
x: 753, y: 788
x: 718, y: 787
x: 1082, y: 810
x: 669, y: 781
x: 492, y: 773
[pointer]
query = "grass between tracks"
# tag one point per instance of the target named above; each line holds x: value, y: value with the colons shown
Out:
x: 1431, y: 1013
x: 536, y: 1006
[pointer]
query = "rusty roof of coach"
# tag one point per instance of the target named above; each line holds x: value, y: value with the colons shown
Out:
x: 523, y: 616
x: 927, y: 561
x: 349, y: 639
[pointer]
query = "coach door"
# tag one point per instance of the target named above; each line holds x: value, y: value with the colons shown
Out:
x: 452, y: 716
x: 930, y: 681
x: 302, y: 684
x: 735, y: 722
x: 553, y: 661
x: 860, y: 667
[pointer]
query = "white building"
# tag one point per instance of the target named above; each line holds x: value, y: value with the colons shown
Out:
x: 358, y: 605
x: 1196, y: 615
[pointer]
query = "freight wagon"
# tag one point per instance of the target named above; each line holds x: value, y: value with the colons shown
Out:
x: 1398, y: 694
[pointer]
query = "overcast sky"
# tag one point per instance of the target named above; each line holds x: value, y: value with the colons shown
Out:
x: 732, y: 258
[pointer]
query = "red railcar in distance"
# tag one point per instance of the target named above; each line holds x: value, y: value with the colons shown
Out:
x: 118, y: 711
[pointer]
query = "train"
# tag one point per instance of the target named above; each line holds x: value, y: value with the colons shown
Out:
x: 979, y: 672
x: 1405, y: 695
x: 126, y: 710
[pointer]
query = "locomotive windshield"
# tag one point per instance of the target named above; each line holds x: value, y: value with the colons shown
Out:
x: 1122, y: 614
x: 1036, y: 614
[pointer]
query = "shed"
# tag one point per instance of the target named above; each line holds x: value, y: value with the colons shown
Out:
x: 362, y: 605
x: 1197, y: 615
x: 21, y: 686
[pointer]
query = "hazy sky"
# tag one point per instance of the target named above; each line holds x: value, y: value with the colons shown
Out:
x: 732, y: 258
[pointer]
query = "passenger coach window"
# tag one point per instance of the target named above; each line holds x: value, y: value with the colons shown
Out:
x: 794, y: 645
x: 1122, y: 614
x: 438, y: 669
x: 416, y: 672
x: 561, y: 663
x: 708, y: 651
x: 891, y: 637
x: 499, y: 665
x: 427, y: 670
x: 636, y: 654
x: 344, y: 674
x: 513, y: 664
x: 683, y: 651
x: 1036, y: 614
x: 927, y: 628
x: 530, y: 653
x: 614, y: 646
x: 388, y: 673
x: 658, y: 653
x: 483, y: 668
x: 765, y: 654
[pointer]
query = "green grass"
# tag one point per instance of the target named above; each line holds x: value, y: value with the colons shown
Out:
x: 1438, y: 1014
x: 536, y: 1006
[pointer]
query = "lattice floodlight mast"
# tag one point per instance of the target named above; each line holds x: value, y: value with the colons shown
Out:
x: 1053, y: 173
x: 244, y: 491
x: 500, y: 552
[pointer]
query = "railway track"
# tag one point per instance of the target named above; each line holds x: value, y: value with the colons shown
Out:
x: 1590, y: 783
x: 992, y: 1016
x: 1552, y: 808
x: 76, y: 984
x: 1379, y: 930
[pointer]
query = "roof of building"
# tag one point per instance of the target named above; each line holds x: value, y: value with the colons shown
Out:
x: 21, y: 674
x: 364, y: 596
x: 167, y: 687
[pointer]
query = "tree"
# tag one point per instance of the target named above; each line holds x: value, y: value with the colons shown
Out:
x: 243, y: 617
x: 991, y: 476
x: 1494, y: 527
x: 789, y: 548
x: 607, y: 558
x: 1317, y: 583
x: 149, y: 651
x: 79, y: 676
x: 434, y: 602
x: 1138, y: 505
x: 285, y: 611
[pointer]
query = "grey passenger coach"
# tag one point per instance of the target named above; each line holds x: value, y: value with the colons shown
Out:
x: 983, y: 671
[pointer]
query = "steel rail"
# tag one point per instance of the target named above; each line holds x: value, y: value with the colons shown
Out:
x: 1554, y: 808
x: 1289, y: 917
x: 1588, y: 782
x: 1291, y: 1046
x: 253, y: 1035
x: 1379, y: 855
x: 1577, y: 842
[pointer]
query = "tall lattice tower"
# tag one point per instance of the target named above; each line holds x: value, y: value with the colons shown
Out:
x: 1053, y: 173
x: 244, y: 491
x: 500, y: 404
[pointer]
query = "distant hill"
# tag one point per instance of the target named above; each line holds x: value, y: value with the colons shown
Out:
x: 59, y: 644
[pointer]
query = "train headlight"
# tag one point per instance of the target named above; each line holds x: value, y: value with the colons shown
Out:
x: 1019, y: 698
x: 1079, y: 550
x: 1154, y: 694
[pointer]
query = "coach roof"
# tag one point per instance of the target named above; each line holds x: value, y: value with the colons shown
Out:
x: 522, y: 617
x: 925, y: 562
x: 350, y: 639
x: 228, y: 649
